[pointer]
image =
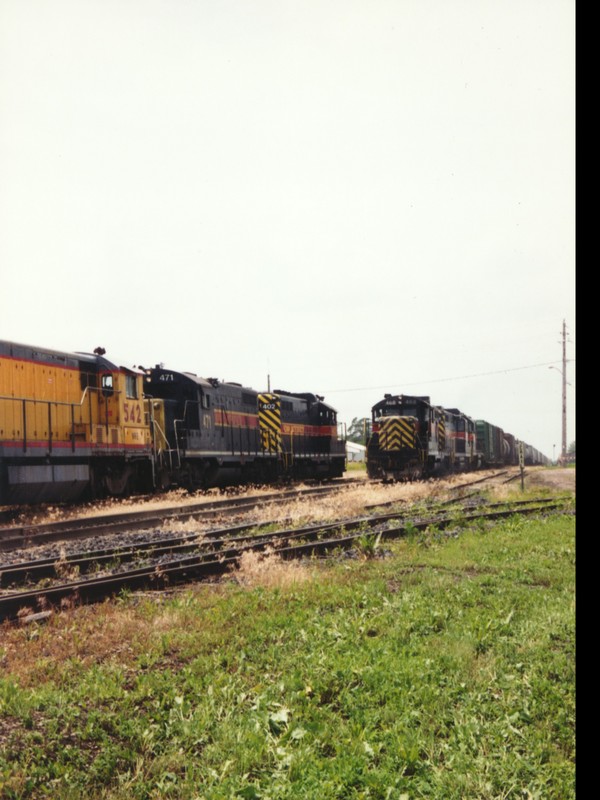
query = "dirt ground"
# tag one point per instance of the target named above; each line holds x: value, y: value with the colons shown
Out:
x: 561, y: 479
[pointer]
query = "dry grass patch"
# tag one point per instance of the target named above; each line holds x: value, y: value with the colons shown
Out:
x: 119, y: 505
x: 270, y: 571
x: 94, y: 634
x: 88, y: 635
x: 347, y: 503
x: 189, y: 526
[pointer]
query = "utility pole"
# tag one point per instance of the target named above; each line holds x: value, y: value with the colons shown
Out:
x: 564, y: 392
x: 563, y: 372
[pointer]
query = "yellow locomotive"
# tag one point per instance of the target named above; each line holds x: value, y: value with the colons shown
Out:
x: 70, y: 423
x: 75, y: 424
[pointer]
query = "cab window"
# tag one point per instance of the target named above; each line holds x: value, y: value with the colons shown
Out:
x: 131, y: 387
x: 107, y: 384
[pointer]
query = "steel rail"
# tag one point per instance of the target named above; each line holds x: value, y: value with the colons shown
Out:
x: 84, y: 562
x: 215, y: 563
x: 27, y: 535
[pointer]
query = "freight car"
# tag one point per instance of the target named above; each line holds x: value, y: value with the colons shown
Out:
x: 69, y: 423
x: 511, y: 449
x: 210, y: 432
x: 411, y: 438
x: 78, y: 424
x: 492, y: 446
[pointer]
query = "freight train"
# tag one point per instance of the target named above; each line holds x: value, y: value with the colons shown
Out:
x: 411, y: 438
x: 76, y: 425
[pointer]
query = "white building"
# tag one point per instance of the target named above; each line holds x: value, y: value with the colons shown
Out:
x: 355, y: 452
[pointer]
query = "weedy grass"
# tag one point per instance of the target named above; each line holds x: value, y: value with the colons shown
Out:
x: 356, y: 466
x: 445, y: 670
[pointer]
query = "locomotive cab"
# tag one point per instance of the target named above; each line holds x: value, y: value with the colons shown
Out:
x: 398, y: 447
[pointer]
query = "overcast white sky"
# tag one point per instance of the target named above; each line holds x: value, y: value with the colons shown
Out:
x: 353, y: 196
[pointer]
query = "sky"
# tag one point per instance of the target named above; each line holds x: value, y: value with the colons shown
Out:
x: 346, y: 197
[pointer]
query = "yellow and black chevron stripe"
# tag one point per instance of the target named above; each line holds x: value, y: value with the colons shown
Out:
x: 269, y: 422
x: 397, y: 433
x: 442, y: 434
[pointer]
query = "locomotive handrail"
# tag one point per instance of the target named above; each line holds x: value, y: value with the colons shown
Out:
x: 23, y: 401
x: 177, y: 434
x: 158, y: 452
x: 156, y: 426
x: 56, y: 402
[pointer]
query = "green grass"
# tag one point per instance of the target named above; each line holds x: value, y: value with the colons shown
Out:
x: 445, y: 670
x: 356, y: 466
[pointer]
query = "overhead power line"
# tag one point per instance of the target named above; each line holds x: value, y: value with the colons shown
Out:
x: 442, y: 380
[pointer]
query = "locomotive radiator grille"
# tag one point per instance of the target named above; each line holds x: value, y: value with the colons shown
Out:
x: 269, y: 422
x: 397, y: 433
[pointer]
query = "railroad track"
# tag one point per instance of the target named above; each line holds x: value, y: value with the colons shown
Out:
x: 13, y: 517
x: 174, y: 560
x: 22, y: 536
x: 503, y: 476
x: 30, y: 534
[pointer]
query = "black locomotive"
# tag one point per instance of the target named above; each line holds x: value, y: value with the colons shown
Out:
x: 411, y: 438
x: 209, y: 432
